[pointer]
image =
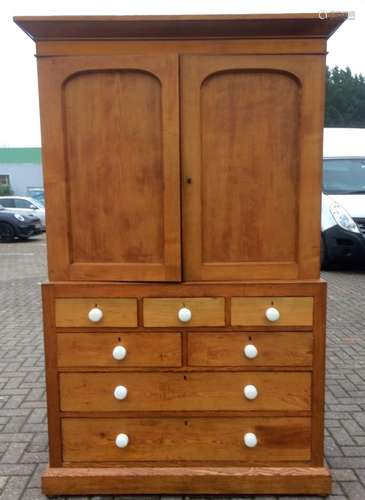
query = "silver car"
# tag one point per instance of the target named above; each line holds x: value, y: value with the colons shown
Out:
x: 24, y: 205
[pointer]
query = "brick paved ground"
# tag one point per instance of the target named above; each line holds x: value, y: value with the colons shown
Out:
x: 23, y: 437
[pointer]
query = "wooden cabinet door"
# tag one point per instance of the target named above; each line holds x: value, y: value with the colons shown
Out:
x: 111, y: 162
x: 251, y: 159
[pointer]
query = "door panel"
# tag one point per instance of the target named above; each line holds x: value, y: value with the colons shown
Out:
x: 247, y: 150
x: 118, y: 170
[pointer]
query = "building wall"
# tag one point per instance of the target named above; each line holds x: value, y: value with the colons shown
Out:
x: 24, y: 168
x: 23, y: 176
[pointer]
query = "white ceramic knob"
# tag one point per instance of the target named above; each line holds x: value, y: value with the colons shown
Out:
x: 119, y: 352
x: 95, y: 315
x: 250, y: 440
x: 272, y: 314
x: 120, y: 392
x: 122, y: 441
x: 250, y: 351
x: 184, y: 314
x: 250, y: 392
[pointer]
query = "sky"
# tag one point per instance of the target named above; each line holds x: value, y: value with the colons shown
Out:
x: 19, y: 115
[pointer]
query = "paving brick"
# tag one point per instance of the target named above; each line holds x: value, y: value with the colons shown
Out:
x: 3, y: 480
x: 14, y: 453
x: 343, y: 474
x: 354, y: 490
x: 14, y: 488
x: 23, y: 428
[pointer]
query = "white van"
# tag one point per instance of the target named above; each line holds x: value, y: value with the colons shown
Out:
x: 343, y: 197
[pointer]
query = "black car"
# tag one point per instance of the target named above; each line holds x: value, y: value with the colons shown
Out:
x: 13, y: 225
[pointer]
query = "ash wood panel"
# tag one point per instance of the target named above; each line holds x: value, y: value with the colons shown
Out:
x: 124, y: 155
x: 318, y: 381
x: 134, y: 156
x: 87, y: 392
x: 186, y: 290
x: 116, y: 312
x: 105, y: 47
x: 192, y: 439
x: 295, y: 152
x: 177, y: 27
x: 198, y: 480
x: 274, y: 349
x: 207, y: 311
x: 95, y: 349
x: 294, y: 311
x: 243, y: 156
x: 53, y: 404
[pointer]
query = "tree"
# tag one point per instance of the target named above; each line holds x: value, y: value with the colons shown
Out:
x: 345, y: 99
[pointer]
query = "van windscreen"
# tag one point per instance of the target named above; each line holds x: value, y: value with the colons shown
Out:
x: 344, y: 176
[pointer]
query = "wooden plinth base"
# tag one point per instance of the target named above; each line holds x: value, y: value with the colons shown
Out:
x: 169, y: 480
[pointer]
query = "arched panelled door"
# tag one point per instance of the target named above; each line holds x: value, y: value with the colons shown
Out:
x: 246, y: 144
x: 117, y: 168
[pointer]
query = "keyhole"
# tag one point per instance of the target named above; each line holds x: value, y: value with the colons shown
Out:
x: 189, y: 180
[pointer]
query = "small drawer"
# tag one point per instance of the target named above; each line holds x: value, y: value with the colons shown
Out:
x: 215, y: 391
x: 96, y: 313
x: 184, y: 312
x: 120, y: 350
x: 272, y: 311
x: 250, y: 349
x: 274, y: 439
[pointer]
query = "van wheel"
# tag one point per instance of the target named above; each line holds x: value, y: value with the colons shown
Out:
x: 326, y: 262
x: 7, y: 232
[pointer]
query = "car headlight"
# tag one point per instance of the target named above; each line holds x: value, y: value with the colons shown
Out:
x: 343, y: 218
x: 19, y: 217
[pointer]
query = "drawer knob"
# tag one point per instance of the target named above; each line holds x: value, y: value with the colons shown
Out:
x: 122, y: 441
x: 272, y: 314
x: 95, y: 315
x: 119, y: 352
x: 250, y: 351
x: 120, y: 392
x: 184, y: 314
x: 250, y: 440
x: 250, y: 392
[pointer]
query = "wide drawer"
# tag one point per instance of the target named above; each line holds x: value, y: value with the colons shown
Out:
x: 208, y: 391
x: 251, y: 349
x: 115, y: 312
x: 186, y: 439
x: 103, y: 349
x: 205, y: 311
x: 253, y: 311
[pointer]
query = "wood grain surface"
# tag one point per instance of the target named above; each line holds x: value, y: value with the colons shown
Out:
x: 207, y: 311
x: 116, y: 312
x: 95, y: 349
x: 88, y: 392
x: 294, y: 311
x: 211, y: 439
x: 180, y: 480
x: 274, y: 349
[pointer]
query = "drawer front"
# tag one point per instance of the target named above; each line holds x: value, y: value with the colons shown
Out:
x: 251, y: 311
x: 165, y: 312
x: 168, y: 439
x: 214, y: 391
x: 115, y: 312
x: 250, y: 349
x: 101, y: 349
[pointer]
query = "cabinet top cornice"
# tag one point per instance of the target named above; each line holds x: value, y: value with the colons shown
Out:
x: 314, y: 25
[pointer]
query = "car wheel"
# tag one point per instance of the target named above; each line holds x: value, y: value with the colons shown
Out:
x: 7, y: 232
